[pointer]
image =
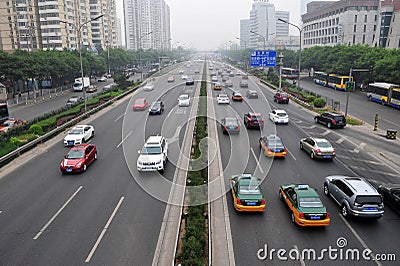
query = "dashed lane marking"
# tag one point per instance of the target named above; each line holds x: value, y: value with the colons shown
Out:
x: 342, y: 138
x: 127, y: 135
x: 374, y: 171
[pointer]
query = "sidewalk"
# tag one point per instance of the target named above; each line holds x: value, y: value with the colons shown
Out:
x: 37, y: 96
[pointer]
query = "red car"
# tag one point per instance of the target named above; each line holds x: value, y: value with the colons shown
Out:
x: 78, y: 158
x: 253, y: 120
x: 140, y: 104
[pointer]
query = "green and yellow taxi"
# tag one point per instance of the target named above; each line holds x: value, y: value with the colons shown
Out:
x: 273, y: 146
x: 305, y: 205
x: 247, y: 194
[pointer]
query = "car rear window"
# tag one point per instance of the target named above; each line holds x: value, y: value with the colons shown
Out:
x: 369, y: 199
x: 323, y: 144
x: 281, y: 114
x: 255, y: 117
x: 249, y: 189
x: 310, y: 202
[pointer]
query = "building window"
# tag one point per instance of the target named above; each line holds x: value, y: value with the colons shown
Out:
x: 355, y: 28
x: 355, y: 18
x: 364, y: 8
x: 374, y: 28
x: 365, y: 28
x: 375, y: 18
x: 365, y: 18
x: 363, y: 40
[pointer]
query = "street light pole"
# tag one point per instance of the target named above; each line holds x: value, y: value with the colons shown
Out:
x: 108, y: 57
x: 140, y: 53
x: 300, y: 31
x: 261, y: 37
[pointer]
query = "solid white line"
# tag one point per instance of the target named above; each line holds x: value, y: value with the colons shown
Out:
x: 258, y: 163
x: 89, y: 257
x: 119, y: 117
x: 301, y: 259
x: 127, y: 135
x: 358, y: 238
x: 57, y: 213
x: 291, y: 154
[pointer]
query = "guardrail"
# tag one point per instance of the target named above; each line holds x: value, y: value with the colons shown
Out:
x: 57, y: 130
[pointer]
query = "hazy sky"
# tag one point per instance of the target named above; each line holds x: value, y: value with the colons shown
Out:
x: 209, y: 24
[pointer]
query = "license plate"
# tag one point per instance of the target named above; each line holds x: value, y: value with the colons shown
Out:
x: 277, y: 150
x: 327, y: 156
x: 252, y: 203
x: 370, y: 209
x: 70, y: 143
x: 315, y: 218
x: 281, y: 121
x: 69, y: 169
x: 149, y: 168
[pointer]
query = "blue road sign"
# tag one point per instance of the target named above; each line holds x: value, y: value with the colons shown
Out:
x: 260, y: 58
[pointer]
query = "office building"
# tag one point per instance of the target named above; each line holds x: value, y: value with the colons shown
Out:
x: 147, y: 25
x: 244, y: 33
x: 282, y: 28
x: 262, y: 22
x: 36, y: 25
x: 388, y: 25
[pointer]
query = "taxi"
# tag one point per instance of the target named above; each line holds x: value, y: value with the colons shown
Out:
x: 217, y: 86
x: 305, y: 206
x: 272, y: 146
x: 247, y: 194
x: 237, y: 96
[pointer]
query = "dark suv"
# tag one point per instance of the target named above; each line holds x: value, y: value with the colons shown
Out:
x: 331, y: 120
x: 281, y: 97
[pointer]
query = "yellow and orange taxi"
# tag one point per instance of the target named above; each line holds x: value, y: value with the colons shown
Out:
x: 247, y: 194
x: 217, y: 86
x: 272, y: 146
x: 237, y: 96
x: 305, y: 206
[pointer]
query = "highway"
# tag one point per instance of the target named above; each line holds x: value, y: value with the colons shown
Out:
x: 105, y: 215
x: 250, y: 232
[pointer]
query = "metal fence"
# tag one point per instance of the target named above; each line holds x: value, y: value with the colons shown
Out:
x: 38, y: 95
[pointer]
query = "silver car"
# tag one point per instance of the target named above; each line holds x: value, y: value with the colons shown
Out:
x: 318, y: 148
x: 355, y: 196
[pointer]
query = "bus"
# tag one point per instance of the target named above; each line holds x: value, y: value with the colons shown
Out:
x: 384, y: 93
x: 338, y: 82
x: 3, y: 104
x: 289, y: 73
x: 320, y: 78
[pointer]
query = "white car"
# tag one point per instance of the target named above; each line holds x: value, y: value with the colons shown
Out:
x: 102, y: 79
x: 279, y: 116
x: 222, y: 98
x: 153, y: 155
x: 78, y: 135
x: 149, y: 87
x: 184, y: 77
x: 184, y: 100
x: 181, y: 71
x: 214, y: 78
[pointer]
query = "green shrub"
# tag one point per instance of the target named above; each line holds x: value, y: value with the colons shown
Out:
x: 319, y: 102
x: 7, y: 147
x: 15, y: 141
x: 310, y: 98
x: 36, y: 129
x: 27, y: 137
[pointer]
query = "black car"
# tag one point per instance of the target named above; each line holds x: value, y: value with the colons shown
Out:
x: 156, y: 108
x: 189, y: 81
x: 331, y: 120
x: 391, y: 196
x: 281, y: 97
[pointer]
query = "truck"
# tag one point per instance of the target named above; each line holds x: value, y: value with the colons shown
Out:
x: 78, y: 83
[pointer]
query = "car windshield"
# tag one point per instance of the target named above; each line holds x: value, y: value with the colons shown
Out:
x: 275, y: 143
x: 237, y: 94
x: 76, y: 131
x: 147, y: 150
x: 256, y: 117
x: 369, y: 199
x: 75, y: 154
x: 8, y: 124
x: 139, y: 101
x: 310, y: 202
x: 231, y: 122
x: 249, y: 189
x: 323, y: 144
x: 155, y: 106
x: 184, y: 97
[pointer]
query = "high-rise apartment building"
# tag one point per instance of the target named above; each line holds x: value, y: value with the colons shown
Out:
x: 262, y: 22
x: 244, y: 33
x: 342, y: 22
x: 54, y: 24
x: 147, y: 25
x: 282, y: 28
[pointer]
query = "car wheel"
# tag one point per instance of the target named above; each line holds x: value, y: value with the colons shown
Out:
x: 312, y: 155
x: 161, y: 170
x: 95, y: 156
x: 92, y: 134
x: 345, y: 212
x: 329, y: 125
x: 301, y: 146
x: 84, y: 168
x: 316, y: 120
x: 326, y: 190
x: 280, y: 196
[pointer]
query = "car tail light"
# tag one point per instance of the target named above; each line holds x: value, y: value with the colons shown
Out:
x: 262, y: 201
x: 334, y: 151
x: 301, y: 215
x: 238, y: 127
x: 238, y: 201
x: 333, y: 121
x: 328, y: 215
x: 225, y: 128
x: 318, y: 150
x: 268, y: 149
x: 284, y: 149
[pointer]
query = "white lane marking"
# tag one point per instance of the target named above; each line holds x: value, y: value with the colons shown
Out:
x: 89, y: 257
x: 326, y: 132
x: 310, y: 127
x: 127, y: 135
x: 359, y: 147
x: 119, y: 117
x: 175, y: 137
x: 342, y: 138
x: 360, y: 160
x: 358, y: 238
x: 258, y: 163
x: 301, y: 258
x: 291, y: 154
x: 1, y: 212
x: 57, y: 213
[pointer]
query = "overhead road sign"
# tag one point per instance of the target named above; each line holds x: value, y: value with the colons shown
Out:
x: 261, y: 58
